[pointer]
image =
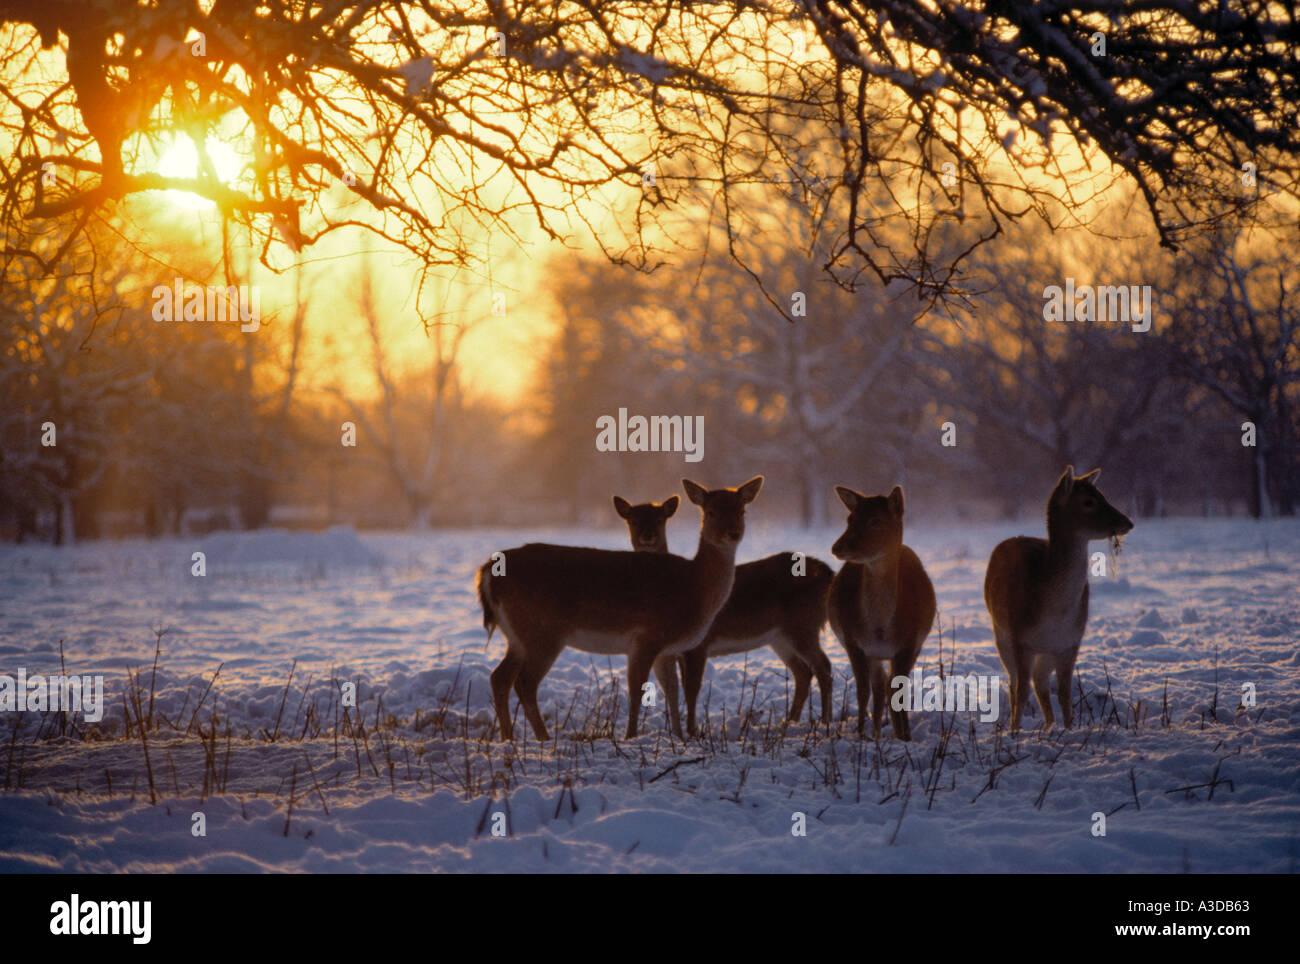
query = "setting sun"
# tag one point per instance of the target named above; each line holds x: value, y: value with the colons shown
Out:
x: 181, y: 160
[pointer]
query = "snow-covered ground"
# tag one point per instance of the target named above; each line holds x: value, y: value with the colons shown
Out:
x: 284, y: 782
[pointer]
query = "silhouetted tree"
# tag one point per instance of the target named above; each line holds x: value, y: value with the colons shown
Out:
x: 435, y: 116
x: 1235, y: 332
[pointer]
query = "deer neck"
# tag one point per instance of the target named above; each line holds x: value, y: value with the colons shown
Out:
x: 880, y: 589
x: 715, y: 566
x: 1067, y: 558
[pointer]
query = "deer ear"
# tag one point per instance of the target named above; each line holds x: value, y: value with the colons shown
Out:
x: 896, y: 500
x: 694, y: 491
x: 749, y: 491
x: 669, y: 506
x: 621, y: 506
x: 848, y: 497
x: 1063, y: 486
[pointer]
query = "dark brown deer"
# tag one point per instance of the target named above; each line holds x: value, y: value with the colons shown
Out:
x: 881, y: 602
x: 769, y: 606
x: 647, y: 606
x: 1037, y: 593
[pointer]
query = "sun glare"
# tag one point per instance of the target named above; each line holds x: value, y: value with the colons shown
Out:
x: 181, y: 159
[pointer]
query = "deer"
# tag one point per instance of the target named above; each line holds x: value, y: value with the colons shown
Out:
x: 1036, y: 591
x: 769, y: 606
x: 649, y: 607
x: 881, y: 603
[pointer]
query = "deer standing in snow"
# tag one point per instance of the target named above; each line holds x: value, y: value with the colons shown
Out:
x: 777, y: 601
x: 650, y: 607
x: 882, y: 603
x: 1036, y: 591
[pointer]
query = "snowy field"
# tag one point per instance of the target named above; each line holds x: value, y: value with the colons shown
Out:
x: 410, y: 779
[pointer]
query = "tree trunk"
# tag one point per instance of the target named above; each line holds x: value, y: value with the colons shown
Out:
x: 1284, y: 460
x: 65, y: 533
x: 421, y: 512
x: 813, y: 508
x: 254, y: 501
x: 1259, y: 467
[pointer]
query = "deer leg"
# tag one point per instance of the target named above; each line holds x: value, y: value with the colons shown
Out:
x: 639, y: 662
x: 901, y: 665
x: 821, y: 667
x: 862, y: 677
x: 665, y: 668
x: 693, y: 662
x: 1064, y: 676
x: 802, y: 677
x: 1042, y: 669
x: 1007, y: 653
x: 529, y: 679
x: 503, y: 677
x: 879, y: 697
x: 1019, y: 687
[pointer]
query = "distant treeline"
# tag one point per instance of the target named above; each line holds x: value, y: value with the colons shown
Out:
x: 115, y: 424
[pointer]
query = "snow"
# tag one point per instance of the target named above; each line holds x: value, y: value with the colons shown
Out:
x: 652, y: 68
x: 416, y: 75
x: 1153, y: 620
x: 1199, y: 608
x: 339, y: 547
